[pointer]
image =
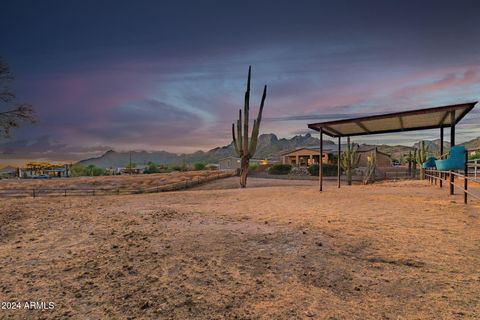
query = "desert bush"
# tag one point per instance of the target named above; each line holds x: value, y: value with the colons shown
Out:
x: 473, y: 156
x: 280, y: 169
x: 152, y: 168
x: 93, y: 170
x: 252, y: 166
x: 329, y: 169
x: 176, y: 167
x: 197, y: 166
x: 78, y: 170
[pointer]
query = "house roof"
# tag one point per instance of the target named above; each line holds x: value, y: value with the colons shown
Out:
x: 8, y: 169
x: 421, y: 119
x: 326, y: 148
x: 364, y: 148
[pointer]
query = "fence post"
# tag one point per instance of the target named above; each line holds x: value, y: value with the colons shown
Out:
x: 33, y: 193
x: 475, y: 168
x: 452, y: 181
x: 465, y: 179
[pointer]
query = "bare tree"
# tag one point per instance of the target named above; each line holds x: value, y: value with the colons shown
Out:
x: 12, y: 113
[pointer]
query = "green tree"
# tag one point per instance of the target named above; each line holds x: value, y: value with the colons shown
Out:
x: 473, y: 156
x: 197, y: 166
x: 130, y: 166
x: 78, y: 170
x: 152, y: 168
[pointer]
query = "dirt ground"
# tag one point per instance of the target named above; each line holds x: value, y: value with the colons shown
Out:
x: 398, y: 250
x: 123, y: 181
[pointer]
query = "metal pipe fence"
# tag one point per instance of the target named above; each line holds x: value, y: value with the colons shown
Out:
x: 63, y: 192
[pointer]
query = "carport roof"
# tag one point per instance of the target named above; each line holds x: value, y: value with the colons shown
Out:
x: 421, y: 119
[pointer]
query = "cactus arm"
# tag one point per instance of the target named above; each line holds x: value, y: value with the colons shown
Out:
x: 256, y: 125
x: 246, y: 112
x: 234, y: 139
x: 239, y: 133
x: 235, y: 143
x: 260, y: 111
x: 253, y: 139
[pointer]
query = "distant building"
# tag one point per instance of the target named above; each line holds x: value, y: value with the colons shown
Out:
x: 306, y: 156
x: 36, y: 169
x: 136, y: 170
x: 383, y: 159
x: 8, y: 172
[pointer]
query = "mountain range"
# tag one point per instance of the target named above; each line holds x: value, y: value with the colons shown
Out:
x: 269, y: 147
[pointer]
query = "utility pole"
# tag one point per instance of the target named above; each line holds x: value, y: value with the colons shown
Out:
x: 130, y: 163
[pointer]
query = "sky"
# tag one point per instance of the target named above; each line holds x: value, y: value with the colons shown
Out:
x: 170, y: 75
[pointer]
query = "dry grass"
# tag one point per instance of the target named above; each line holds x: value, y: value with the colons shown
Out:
x: 390, y: 251
x: 140, y: 181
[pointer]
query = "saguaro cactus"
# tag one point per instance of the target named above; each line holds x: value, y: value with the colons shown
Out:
x: 421, y: 158
x: 414, y: 163
x: 371, y: 166
x: 245, y: 147
x: 349, y: 160
x: 409, y: 161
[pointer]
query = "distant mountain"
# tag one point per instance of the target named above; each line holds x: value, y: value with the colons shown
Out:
x: 269, y: 146
x: 433, y: 146
x: 121, y: 159
x: 472, y: 144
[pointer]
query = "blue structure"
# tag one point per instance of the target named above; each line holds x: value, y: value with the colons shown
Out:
x: 455, y: 161
x: 430, y: 163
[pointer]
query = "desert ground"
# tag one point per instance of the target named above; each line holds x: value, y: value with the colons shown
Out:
x: 104, y: 184
x: 276, y: 250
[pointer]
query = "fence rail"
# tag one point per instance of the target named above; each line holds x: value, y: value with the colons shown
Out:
x: 449, y: 176
x: 56, y: 192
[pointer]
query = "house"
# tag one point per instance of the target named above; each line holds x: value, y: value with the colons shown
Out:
x: 306, y: 156
x: 8, y: 172
x: 135, y: 170
x: 383, y: 159
x: 233, y: 163
x: 35, y: 169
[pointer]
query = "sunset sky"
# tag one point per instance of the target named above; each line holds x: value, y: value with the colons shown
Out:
x: 170, y: 75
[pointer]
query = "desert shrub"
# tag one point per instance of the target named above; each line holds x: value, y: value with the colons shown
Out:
x: 78, y: 170
x: 280, y: 169
x: 93, y: 170
x: 152, y: 168
x: 329, y: 169
x: 473, y: 156
x: 198, y: 166
x: 252, y: 166
x: 178, y: 167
